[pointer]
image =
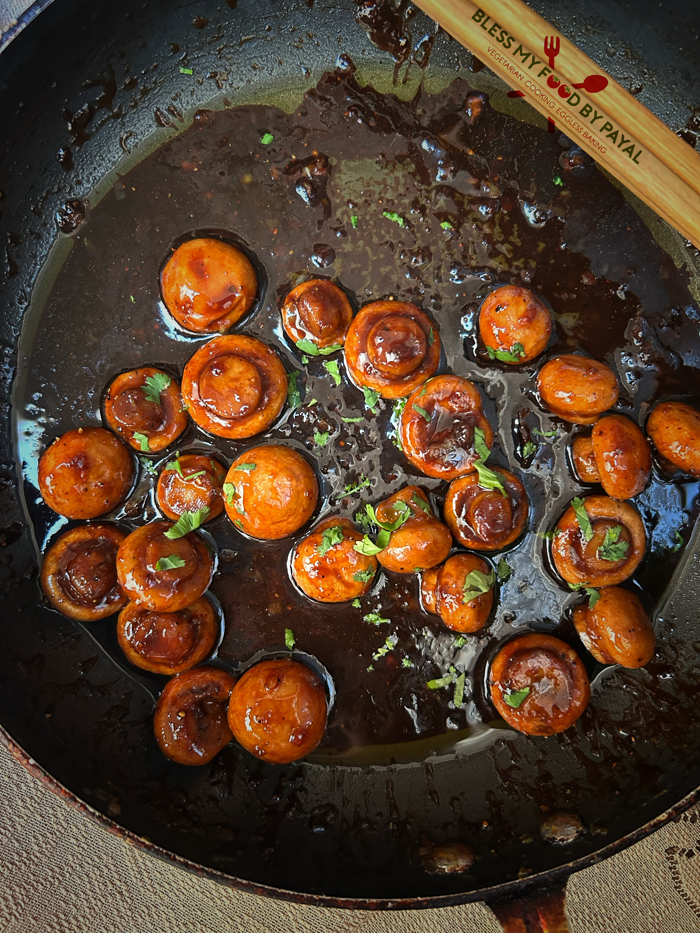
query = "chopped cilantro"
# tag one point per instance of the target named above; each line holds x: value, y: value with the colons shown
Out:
x: 368, y: 547
x: 185, y: 71
x: 331, y: 536
x: 155, y: 384
x: 352, y: 420
x: 188, y: 521
x: 458, y: 698
x: 321, y: 438
x: 230, y: 493
x: 476, y: 584
x: 313, y: 401
x: 289, y: 640
x: 266, y: 139
x: 503, y: 570
x: 516, y: 698
x: 374, y: 618
x: 293, y: 393
x: 406, y: 662
x: 480, y: 445
x: 399, y: 406
x: 612, y: 548
x: 446, y: 225
x: 351, y: 488
x: 584, y: 522
x: 539, y: 433
x: 514, y: 355
x: 431, y: 340
x: 191, y: 476
x: 308, y: 346
x: 142, y: 440
x: 355, y: 604
x: 421, y: 503
x: 371, y: 399
x: 423, y: 412
x: 332, y: 367
x: 148, y: 466
x: 459, y: 641
x: 133, y: 300
x: 175, y: 465
x: 364, y: 576
x: 389, y: 645
x: 488, y: 478
x: 370, y: 668
x: 397, y: 218
x: 353, y: 220
x: 245, y: 467
x: 591, y: 592
x: 678, y: 539
x: 170, y: 563
x: 440, y: 682
x: 557, y: 181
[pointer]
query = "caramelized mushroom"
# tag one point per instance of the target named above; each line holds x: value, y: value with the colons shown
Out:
x: 79, y: 573
x: 428, y: 583
x: 392, y: 347
x: 190, y: 718
x: 208, y: 285
x: 514, y: 324
x: 419, y: 541
x: 270, y: 491
x: 437, y: 427
x: 602, y: 547
x: 85, y: 473
x: 167, y: 642
x: 577, y: 388
x: 164, y: 573
x: 616, y: 629
x: 278, y: 711
x: 145, y: 408
x: 584, y: 459
x: 622, y: 456
x: 538, y: 684
x: 486, y: 519
x: 674, y: 429
x: 234, y: 386
x: 318, y: 311
x: 190, y: 483
x: 326, y: 566
x: 461, y: 592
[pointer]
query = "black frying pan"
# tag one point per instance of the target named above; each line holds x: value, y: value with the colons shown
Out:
x: 88, y: 92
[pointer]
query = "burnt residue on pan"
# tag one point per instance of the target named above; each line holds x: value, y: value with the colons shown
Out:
x: 425, y: 202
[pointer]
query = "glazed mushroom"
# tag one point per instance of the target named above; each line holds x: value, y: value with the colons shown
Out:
x: 674, y: 429
x: 167, y: 642
x: 616, y: 629
x: 190, y: 719
x: 416, y: 540
x: 461, y: 592
x: 438, y: 427
x: 622, y: 456
x: 270, y: 492
x: 208, y: 285
x: 317, y: 311
x: 577, y: 388
x: 326, y: 566
x: 598, y: 541
x: 486, y: 519
x: 514, y: 325
x: 144, y: 407
x: 190, y: 483
x: 392, y: 347
x: 583, y: 457
x: 538, y: 684
x: 278, y: 711
x: 79, y: 573
x: 85, y: 473
x: 162, y: 569
x: 234, y: 386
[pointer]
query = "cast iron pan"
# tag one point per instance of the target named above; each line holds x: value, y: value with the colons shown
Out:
x: 88, y: 91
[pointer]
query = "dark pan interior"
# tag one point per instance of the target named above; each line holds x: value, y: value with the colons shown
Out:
x: 88, y: 92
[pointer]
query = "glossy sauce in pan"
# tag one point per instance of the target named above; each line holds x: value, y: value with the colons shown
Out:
x: 472, y: 204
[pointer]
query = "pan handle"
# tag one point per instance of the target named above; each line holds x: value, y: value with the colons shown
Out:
x: 540, y: 912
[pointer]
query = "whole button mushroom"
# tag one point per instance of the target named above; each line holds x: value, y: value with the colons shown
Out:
x: 167, y: 642
x: 674, y: 429
x: 326, y: 566
x: 278, y: 710
x: 538, y: 684
x: 234, y: 386
x: 622, y: 456
x: 317, y: 311
x: 391, y: 347
x: 417, y: 540
x: 190, y: 723
x: 616, y: 629
x: 584, y: 461
x: 191, y: 483
x: 144, y: 407
x: 460, y: 592
x: 486, y: 519
x: 577, y: 388
x: 85, y: 473
x: 514, y: 325
x: 208, y: 285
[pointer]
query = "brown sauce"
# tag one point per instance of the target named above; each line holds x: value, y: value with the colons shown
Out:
x: 471, y: 204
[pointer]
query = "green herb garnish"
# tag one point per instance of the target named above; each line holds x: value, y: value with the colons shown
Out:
x: 289, y: 640
x: 321, y: 437
x: 332, y: 367
x: 170, y: 563
x: 679, y: 542
x: 371, y: 399
x: 557, y: 181
x: 529, y: 449
x: 421, y: 503
x: 440, y: 682
x: 142, y: 440
x: 191, y: 476
x: 154, y: 385
x: 364, y: 576
x: 355, y: 604
x: 352, y: 488
x: 503, y: 570
x: 476, y: 584
x: 388, y: 646
x: 175, y: 465
x: 187, y: 522
x: 423, y: 412
x: 293, y: 393
x: 539, y: 433
x: 185, y: 71
x: 352, y: 420
x: 245, y: 467
x: 488, y: 478
x: 149, y: 468
x: 397, y: 218
x: 308, y: 346
x: 514, y: 355
x: 446, y: 225
x: 374, y: 618
x: 612, y: 548
x: 516, y: 697
x: 459, y: 641
x: 353, y: 220
x: 266, y: 139
x: 230, y: 493
x: 458, y: 698
x: 584, y: 522
x: 406, y: 662
x: 592, y: 594
x: 331, y: 536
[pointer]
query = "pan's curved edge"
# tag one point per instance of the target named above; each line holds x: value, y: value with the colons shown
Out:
x: 555, y: 877
x: 24, y: 19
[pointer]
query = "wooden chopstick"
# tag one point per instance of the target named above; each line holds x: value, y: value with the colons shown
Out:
x: 599, y: 115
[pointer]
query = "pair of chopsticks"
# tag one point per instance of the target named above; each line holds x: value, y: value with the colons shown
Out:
x: 581, y: 100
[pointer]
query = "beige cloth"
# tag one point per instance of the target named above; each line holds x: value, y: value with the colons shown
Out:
x: 62, y: 873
